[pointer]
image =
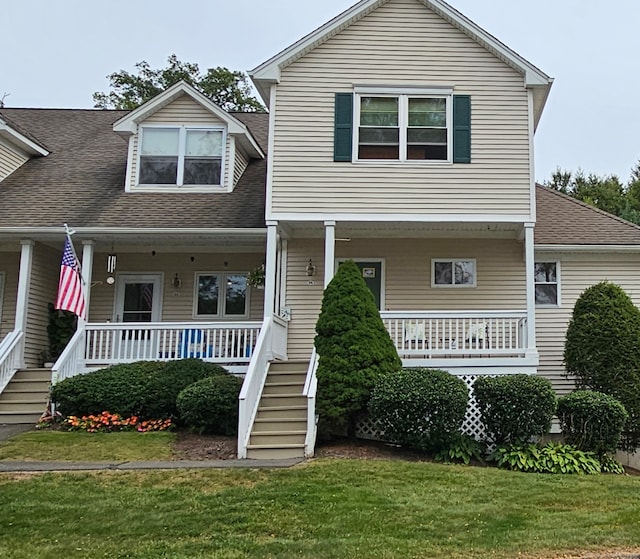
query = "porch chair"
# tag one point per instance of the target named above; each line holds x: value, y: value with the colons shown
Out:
x: 414, y: 337
x: 192, y: 344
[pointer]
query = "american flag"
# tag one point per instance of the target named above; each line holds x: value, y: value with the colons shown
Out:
x: 70, y: 293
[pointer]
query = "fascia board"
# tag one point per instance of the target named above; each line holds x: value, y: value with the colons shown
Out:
x: 21, y: 140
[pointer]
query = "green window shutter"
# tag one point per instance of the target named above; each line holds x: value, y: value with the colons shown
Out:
x: 343, y: 123
x: 462, y: 129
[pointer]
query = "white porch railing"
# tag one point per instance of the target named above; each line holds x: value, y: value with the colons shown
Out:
x: 218, y: 342
x: 97, y: 345
x: 453, y: 334
x: 10, y: 356
x: 309, y: 391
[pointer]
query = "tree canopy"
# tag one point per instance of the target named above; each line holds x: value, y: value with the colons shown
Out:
x: 229, y: 89
x: 607, y: 192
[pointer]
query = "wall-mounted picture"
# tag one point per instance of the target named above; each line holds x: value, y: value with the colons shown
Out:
x: 368, y: 273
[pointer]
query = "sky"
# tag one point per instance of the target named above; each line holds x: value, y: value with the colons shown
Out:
x: 58, y: 53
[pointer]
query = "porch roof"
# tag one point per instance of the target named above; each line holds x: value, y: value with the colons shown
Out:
x: 81, y: 181
x: 562, y: 220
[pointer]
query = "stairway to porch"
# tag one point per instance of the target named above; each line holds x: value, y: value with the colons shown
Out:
x: 24, y: 399
x: 280, y: 427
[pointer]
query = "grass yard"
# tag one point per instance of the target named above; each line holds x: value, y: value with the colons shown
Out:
x: 88, y: 447
x: 326, y: 508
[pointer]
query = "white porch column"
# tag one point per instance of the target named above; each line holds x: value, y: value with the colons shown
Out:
x: 87, y: 271
x: 531, y: 293
x: 270, y: 269
x: 24, y: 281
x: 329, y: 251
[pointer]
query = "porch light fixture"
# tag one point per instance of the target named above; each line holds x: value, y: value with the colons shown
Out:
x: 176, y: 282
x: 111, y: 263
x: 311, y: 269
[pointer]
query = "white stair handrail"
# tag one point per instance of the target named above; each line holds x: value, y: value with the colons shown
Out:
x: 252, y: 387
x: 10, y: 356
x: 71, y: 360
x: 309, y: 391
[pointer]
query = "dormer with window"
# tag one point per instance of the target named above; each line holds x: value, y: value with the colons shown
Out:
x: 180, y: 141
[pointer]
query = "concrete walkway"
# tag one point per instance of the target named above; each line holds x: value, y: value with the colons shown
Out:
x: 7, y: 431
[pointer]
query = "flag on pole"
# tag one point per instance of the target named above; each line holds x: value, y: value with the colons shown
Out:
x: 70, y: 292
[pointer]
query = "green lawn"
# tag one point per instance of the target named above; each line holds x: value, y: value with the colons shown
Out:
x: 88, y: 447
x: 322, y: 509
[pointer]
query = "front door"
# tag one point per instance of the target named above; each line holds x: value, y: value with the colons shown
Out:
x: 371, y: 271
x: 138, y: 299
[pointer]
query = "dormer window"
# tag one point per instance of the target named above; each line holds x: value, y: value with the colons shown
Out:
x: 181, y: 156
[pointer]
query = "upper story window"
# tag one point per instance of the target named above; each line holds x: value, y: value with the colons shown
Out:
x: 379, y: 123
x: 180, y: 156
x: 404, y: 127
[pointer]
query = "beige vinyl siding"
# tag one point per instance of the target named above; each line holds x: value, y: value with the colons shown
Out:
x: 10, y: 159
x: 183, y: 111
x: 45, y: 274
x: 577, y: 272
x: 241, y: 163
x: 401, y: 44
x: 501, y: 283
x: 177, y: 304
x: 9, y: 269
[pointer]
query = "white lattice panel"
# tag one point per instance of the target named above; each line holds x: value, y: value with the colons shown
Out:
x: 472, y: 425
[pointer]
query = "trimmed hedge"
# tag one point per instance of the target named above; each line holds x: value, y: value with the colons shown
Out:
x: 420, y: 408
x: 118, y: 389
x: 354, y: 348
x: 147, y: 389
x: 211, y: 404
x: 602, y: 351
x: 515, y: 408
x: 164, y: 387
x: 591, y: 421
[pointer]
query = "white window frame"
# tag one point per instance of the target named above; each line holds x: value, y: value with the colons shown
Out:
x: 182, y: 138
x: 556, y: 283
x: 403, y: 95
x: 222, y: 296
x: 453, y: 285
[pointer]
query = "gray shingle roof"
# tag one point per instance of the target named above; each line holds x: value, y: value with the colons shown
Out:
x: 562, y: 220
x: 81, y: 181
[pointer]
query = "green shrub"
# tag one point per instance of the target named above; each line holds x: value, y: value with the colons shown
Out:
x: 420, y: 408
x: 162, y: 392
x: 549, y: 459
x: 515, y: 408
x: 211, y: 404
x: 591, y: 421
x: 354, y: 348
x: 119, y: 389
x: 462, y: 448
x: 602, y: 351
x: 147, y: 389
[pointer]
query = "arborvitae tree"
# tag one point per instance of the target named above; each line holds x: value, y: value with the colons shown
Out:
x: 602, y: 350
x: 354, y: 348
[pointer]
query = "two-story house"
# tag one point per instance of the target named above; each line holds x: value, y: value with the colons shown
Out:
x: 399, y: 134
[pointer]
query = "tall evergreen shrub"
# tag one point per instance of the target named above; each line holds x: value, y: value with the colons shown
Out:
x: 602, y: 350
x: 354, y: 349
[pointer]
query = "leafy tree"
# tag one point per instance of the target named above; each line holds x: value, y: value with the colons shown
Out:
x: 227, y: 88
x: 602, y: 350
x: 607, y: 193
x: 354, y: 348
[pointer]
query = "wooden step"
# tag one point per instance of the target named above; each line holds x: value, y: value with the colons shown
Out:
x: 276, y: 423
x: 279, y: 400
x: 24, y: 406
x: 11, y: 418
x: 277, y: 438
x: 33, y: 375
x: 267, y: 452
